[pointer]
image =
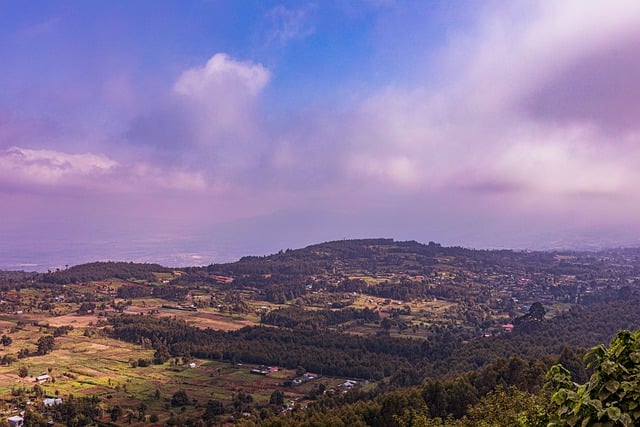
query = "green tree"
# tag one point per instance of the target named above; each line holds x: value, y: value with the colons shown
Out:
x: 86, y: 308
x: 45, y: 344
x: 6, y: 340
x: 214, y: 408
x: 276, y: 398
x: 180, y: 398
x: 116, y: 412
x: 612, y: 395
x: 23, y: 371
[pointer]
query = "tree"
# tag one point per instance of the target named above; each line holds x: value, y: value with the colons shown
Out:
x: 214, y: 408
x: 276, y: 398
x: 45, y: 344
x: 6, y: 340
x: 33, y: 418
x: 86, y: 308
x: 116, y: 412
x: 180, y: 398
x: 23, y: 371
x: 161, y: 355
x: 612, y: 395
x: 537, y: 311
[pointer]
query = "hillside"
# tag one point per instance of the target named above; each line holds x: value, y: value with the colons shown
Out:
x: 329, y: 326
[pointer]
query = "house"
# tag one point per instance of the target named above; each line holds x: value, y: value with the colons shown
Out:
x: 508, y: 327
x: 265, y: 370
x: 44, y: 378
x: 192, y: 365
x: 348, y: 383
x: 52, y: 402
x: 16, y: 421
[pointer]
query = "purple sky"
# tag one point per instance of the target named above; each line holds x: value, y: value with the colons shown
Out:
x: 197, y: 132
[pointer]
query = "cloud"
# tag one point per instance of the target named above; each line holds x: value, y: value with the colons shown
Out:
x: 221, y: 71
x: 289, y: 24
x: 59, y: 171
x: 211, y: 119
x: 203, y: 136
x: 220, y: 99
x: 528, y: 100
x: 537, y: 54
x: 51, y: 167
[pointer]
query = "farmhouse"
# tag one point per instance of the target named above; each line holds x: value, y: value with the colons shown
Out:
x: 44, y: 378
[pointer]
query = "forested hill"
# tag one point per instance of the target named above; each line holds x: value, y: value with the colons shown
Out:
x: 411, y: 257
x: 104, y: 270
x: 376, y: 256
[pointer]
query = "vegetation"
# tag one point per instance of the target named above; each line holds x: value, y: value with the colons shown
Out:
x: 612, y: 394
x: 365, y: 332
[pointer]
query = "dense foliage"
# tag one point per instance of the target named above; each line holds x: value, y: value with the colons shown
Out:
x: 323, y: 351
x: 103, y: 271
x: 611, y: 397
x: 298, y: 318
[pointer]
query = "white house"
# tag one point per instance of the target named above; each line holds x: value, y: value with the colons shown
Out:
x: 16, y: 421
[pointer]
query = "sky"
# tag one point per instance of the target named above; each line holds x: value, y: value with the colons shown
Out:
x: 192, y: 132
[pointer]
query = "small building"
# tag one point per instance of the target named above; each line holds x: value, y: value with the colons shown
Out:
x: 192, y: 365
x: 508, y: 327
x: 44, y: 378
x: 16, y: 421
x: 349, y: 384
x: 52, y: 401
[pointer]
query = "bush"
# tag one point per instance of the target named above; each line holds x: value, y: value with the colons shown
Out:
x: 611, y: 396
x: 180, y: 398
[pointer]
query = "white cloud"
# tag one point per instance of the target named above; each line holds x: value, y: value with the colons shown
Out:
x: 472, y: 132
x: 51, y: 167
x: 221, y: 104
x: 206, y: 83
x: 29, y: 168
x: 520, y: 46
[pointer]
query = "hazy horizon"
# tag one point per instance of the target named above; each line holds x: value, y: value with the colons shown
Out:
x: 198, y: 132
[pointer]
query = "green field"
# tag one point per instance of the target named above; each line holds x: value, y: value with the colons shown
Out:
x: 84, y: 365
